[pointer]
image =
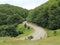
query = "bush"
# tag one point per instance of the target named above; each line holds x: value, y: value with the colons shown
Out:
x: 30, y: 37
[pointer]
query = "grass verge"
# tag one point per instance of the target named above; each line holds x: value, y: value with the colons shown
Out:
x: 55, y: 40
x: 25, y: 31
x: 53, y: 32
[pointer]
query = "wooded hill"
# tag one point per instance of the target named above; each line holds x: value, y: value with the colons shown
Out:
x: 47, y: 15
x: 10, y: 17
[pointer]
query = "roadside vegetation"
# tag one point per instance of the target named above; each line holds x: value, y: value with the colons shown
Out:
x: 24, y: 30
x: 51, y: 33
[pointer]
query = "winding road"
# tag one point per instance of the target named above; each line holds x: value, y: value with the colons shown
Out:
x: 38, y: 34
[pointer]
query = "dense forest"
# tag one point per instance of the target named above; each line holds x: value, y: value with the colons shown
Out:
x: 10, y: 17
x: 47, y: 15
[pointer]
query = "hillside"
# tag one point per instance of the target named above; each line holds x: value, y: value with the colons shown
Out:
x: 46, y: 15
x: 10, y: 17
x: 39, y: 26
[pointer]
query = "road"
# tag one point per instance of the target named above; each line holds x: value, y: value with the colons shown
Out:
x: 39, y: 32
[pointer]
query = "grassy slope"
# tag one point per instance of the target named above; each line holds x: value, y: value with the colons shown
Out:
x: 48, y: 41
x: 51, y: 32
x: 52, y: 40
x: 26, y: 31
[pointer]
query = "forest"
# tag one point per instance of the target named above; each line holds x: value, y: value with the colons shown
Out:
x: 10, y: 17
x: 46, y: 15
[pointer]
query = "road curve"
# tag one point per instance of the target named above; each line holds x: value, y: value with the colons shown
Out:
x: 38, y: 34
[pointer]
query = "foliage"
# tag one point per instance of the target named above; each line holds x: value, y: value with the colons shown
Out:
x: 46, y: 15
x: 30, y: 37
x: 10, y: 17
x: 24, y: 30
x: 8, y: 30
x: 51, y: 33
